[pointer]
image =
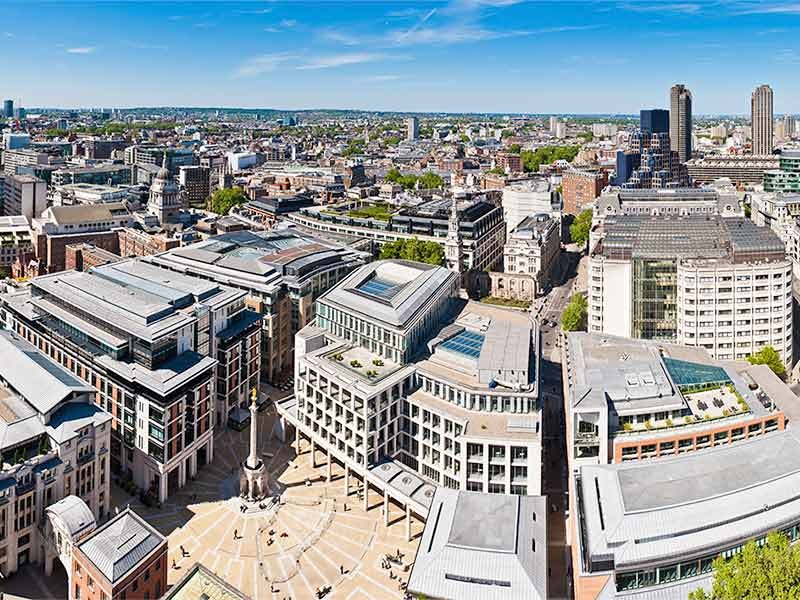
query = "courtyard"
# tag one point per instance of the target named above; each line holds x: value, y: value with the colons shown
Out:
x: 316, y: 537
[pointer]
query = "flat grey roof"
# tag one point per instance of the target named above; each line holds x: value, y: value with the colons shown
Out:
x: 688, y: 237
x: 419, y: 282
x: 504, y: 557
x: 691, y: 504
x: 485, y: 525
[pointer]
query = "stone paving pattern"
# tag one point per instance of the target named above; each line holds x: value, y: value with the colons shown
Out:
x: 313, y: 536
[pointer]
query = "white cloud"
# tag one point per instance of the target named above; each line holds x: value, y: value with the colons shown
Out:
x: 683, y: 8
x: 263, y: 63
x: 759, y: 8
x: 81, y: 50
x: 340, y: 60
x: 281, y: 26
x: 381, y: 78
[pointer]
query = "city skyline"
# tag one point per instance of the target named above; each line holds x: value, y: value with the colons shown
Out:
x: 495, y: 56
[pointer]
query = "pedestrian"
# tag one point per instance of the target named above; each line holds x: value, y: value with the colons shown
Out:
x: 174, y: 566
x: 235, y: 534
x: 341, y: 570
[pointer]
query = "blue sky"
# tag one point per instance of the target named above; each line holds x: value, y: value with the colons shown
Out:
x: 457, y: 55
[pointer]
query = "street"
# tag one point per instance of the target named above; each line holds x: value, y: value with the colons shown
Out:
x: 554, y: 468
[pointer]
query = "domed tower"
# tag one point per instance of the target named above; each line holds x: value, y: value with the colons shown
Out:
x: 165, y: 197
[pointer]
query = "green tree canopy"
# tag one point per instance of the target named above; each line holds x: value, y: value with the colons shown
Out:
x: 574, y: 316
x: 431, y: 181
x: 431, y: 253
x: 768, y: 571
x: 222, y: 201
x: 580, y: 227
x: 515, y: 148
x: 428, y: 180
x: 533, y: 159
x: 770, y: 357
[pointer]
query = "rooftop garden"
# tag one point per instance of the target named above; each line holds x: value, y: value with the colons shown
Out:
x: 366, y: 364
x: 707, y: 402
x: 380, y: 211
x: 508, y: 302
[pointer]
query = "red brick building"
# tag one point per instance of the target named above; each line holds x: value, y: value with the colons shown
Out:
x: 125, y: 559
x: 134, y: 242
x: 579, y: 188
x: 509, y: 162
x: 81, y: 257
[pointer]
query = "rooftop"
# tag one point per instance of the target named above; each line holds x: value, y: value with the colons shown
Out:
x: 482, y: 546
x: 392, y: 292
x: 693, y: 503
x: 688, y: 237
x: 121, y: 544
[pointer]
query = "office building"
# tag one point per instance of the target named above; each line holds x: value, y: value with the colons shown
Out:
x: 761, y: 120
x: 410, y: 387
x: 265, y: 212
x: 659, y: 166
x: 741, y: 169
x: 653, y: 530
x: 561, y: 130
x: 283, y: 273
x: 152, y: 343
x: 654, y: 120
x: 601, y: 130
x: 20, y: 160
x: 637, y: 400
x: 480, y: 546
x: 24, y: 195
x: 16, y: 140
x: 790, y: 126
x: 96, y: 175
x: 101, y: 149
x: 679, y: 202
x: 553, y: 124
x: 680, y: 121
x: 412, y: 128
x: 195, y: 184
x: 521, y: 200
x: 480, y: 224
x: 124, y: 558
x: 71, y: 194
x: 786, y: 178
x: 15, y: 241
x: 54, y: 445
x: 8, y: 108
x: 723, y: 284
x: 579, y: 188
x: 627, y: 162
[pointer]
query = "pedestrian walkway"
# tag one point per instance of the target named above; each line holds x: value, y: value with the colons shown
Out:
x: 306, y: 543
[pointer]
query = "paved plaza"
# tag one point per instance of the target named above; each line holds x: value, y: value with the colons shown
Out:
x: 290, y: 550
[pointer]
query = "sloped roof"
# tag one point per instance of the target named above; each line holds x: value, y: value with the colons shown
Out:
x: 121, y: 544
x: 35, y: 377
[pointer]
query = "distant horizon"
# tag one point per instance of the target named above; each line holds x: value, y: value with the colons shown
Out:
x: 443, y: 56
x: 35, y: 109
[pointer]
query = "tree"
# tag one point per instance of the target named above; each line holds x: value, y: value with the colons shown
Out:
x: 770, y: 357
x: 431, y: 253
x: 768, y: 571
x: 533, y: 159
x: 579, y: 230
x: 431, y: 181
x: 222, y: 201
x: 515, y: 149
x: 574, y: 316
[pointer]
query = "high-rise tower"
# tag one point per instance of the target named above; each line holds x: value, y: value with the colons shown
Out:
x: 761, y: 119
x: 680, y: 121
